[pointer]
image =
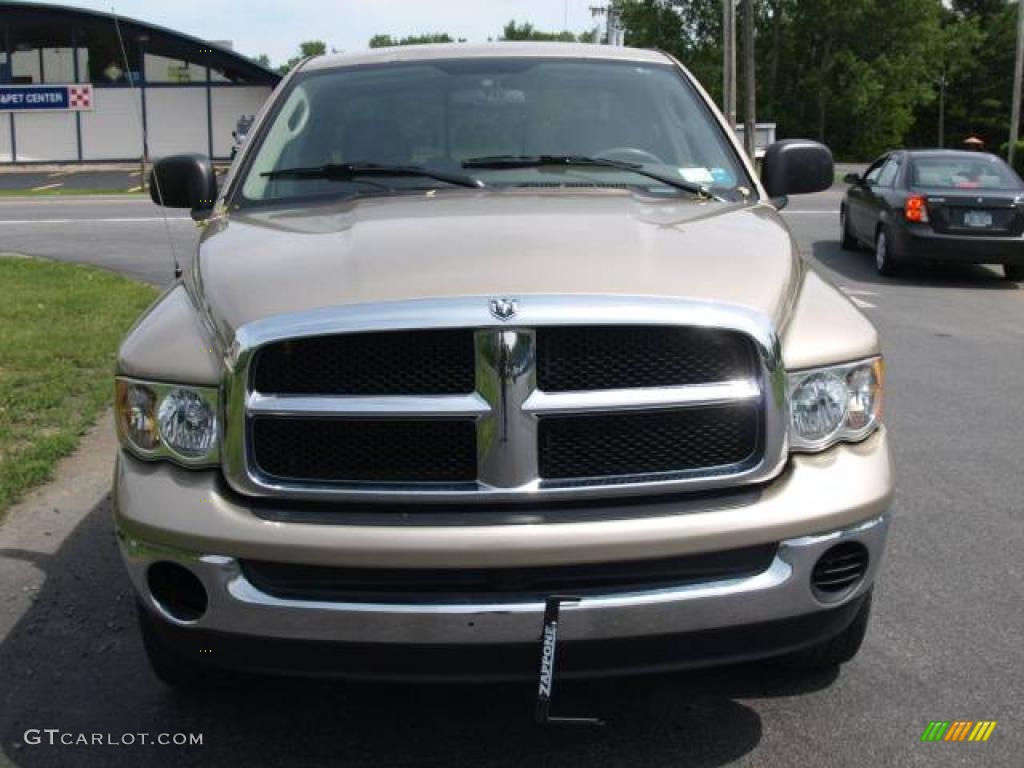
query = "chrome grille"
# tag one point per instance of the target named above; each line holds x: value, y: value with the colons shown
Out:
x: 639, y: 422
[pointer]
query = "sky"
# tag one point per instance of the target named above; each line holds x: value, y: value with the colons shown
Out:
x: 276, y: 27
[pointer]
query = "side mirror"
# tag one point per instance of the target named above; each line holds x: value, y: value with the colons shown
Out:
x: 851, y: 178
x: 184, y: 181
x: 796, y: 167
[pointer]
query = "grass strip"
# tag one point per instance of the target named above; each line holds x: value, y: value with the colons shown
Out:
x: 60, y: 326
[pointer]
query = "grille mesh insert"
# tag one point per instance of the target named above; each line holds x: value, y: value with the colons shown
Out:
x: 621, y: 357
x: 365, y: 450
x: 393, y: 363
x: 646, y: 443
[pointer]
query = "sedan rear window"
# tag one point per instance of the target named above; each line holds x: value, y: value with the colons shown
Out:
x: 963, y: 172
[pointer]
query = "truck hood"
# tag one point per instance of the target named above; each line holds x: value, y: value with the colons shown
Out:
x: 259, y: 263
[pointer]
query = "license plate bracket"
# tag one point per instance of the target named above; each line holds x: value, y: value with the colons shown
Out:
x: 546, y: 682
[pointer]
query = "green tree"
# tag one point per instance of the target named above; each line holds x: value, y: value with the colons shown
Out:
x: 853, y: 73
x: 387, y: 41
x: 981, y: 89
x: 955, y: 60
x: 306, y: 49
x: 526, y: 31
x: 263, y: 60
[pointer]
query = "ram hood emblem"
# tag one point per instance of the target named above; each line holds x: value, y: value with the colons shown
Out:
x: 504, y: 308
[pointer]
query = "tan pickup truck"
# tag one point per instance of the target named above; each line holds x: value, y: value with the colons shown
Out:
x: 473, y: 329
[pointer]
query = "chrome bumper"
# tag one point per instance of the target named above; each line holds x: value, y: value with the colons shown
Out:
x: 782, y: 591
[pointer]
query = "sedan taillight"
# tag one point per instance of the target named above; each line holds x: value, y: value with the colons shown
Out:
x: 914, y: 209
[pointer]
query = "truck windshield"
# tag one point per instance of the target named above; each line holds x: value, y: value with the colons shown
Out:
x: 462, y: 116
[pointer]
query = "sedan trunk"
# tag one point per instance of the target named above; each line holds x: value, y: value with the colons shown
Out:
x: 987, y: 213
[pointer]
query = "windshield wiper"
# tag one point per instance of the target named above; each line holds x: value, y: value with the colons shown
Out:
x: 350, y: 171
x: 581, y: 161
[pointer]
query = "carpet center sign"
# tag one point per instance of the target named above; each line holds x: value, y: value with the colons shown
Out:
x: 46, y: 98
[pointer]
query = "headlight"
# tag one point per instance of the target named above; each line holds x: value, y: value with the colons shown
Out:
x: 157, y: 421
x: 834, y: 404
x: 136, y: 405
x: 188, y: 423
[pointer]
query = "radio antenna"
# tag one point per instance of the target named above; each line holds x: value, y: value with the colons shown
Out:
x: 175, y: 265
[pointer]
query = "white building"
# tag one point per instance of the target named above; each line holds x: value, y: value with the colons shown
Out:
x: 78, y: 86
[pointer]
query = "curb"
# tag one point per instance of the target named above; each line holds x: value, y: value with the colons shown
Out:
x: 36, y: 526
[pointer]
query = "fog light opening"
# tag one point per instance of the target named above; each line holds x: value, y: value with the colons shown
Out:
x: 177, y: 591
x: 839, y: 571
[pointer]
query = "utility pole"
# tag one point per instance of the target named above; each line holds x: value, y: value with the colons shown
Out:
x: 943, y: 82
x: 1018, y: 70
x: 749, y: 90
x: 729, y: 61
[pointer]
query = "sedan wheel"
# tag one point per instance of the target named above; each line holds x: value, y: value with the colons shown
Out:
x: 846, y: 240
x: 883, y: 257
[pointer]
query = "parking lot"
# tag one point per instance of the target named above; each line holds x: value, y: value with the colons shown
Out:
x: 945, y: 642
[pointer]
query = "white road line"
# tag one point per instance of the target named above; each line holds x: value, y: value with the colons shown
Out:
x: 139, y: 219
x: 856, y: 291
x: 853, y: 293
x: 135, y: 189
x: 861, y: 303
x: 48, y: 186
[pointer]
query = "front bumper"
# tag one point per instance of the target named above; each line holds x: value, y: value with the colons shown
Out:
x: 452, y: 662
x: 783, y: 591
x: 167, y: 514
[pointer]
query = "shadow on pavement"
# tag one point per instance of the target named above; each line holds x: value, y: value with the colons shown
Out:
x: 859, y: 265
x: 75, y: 662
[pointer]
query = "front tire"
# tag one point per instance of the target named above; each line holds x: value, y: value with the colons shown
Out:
x: 1013, y: 272
x: 836, y: 650
x: 884, y: 262
x: 846, y: 239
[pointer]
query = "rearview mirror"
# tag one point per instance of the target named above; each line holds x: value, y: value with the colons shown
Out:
x: 184, y: 181
x: 796, y: 167
x: 851, y: 178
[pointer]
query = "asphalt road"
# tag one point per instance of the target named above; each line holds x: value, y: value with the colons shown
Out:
x: 126, y: 234
x: 63, y: 179
x: 945, y: 642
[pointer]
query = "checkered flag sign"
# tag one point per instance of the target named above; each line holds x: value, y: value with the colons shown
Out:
x: 80, y: 97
